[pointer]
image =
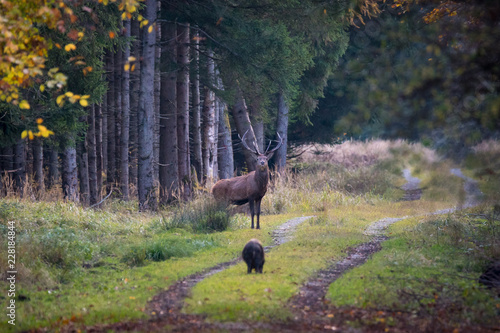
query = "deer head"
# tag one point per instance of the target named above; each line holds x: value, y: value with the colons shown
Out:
x: 262, y: 158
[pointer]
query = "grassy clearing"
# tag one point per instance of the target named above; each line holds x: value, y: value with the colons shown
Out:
x: 102, y: 266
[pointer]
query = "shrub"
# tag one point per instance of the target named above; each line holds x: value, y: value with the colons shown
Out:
x: 201, y: 215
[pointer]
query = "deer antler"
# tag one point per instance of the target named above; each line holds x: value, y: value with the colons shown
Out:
x: 256, y: 151
x: 280, y: 142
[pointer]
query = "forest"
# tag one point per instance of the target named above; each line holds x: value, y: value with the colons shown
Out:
x: 382, y: 118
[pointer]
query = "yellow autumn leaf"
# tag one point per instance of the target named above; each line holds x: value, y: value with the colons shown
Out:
x: 24, y: 104
x: 24, y: 134
x: 85, y: 96
x: 70, y: 47
x: 126, y: 67
x: 111, y: 34
x: 42, y: 88
x: 69, y: 94
x: 30, y: 135
x: 59, y: 99
x: 131, y: 297
x: 39, y: 120
x: 150, y: 29
x: 42, y: 128
x: 84, y: 102
x: 131, y: 58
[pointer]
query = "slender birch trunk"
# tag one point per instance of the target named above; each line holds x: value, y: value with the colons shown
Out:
x: 70, y: 174
x: 147, y: 193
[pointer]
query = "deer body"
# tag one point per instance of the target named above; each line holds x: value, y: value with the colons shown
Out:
x: 249, y: 188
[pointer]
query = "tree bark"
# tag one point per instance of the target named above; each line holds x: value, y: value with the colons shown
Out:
x: 157, y: 87
x: 197, y: 143
x: 255, y: 112
x: 225, y: 146
x: 104, y: 131
x: 83, y: 170
x: 243, y: 124
x: 99, y: 128
x: 20, y: 166
x: 282, y: 129
x: 53, y: 167
x: 92, y: 156
x: 169, y: 172
x: 70, y: 174
x: 38, y: 166
x: 124, y: 153
x: 111, y: 122
x: 147, y: 195
x: 183, y: 109
x: 135, y: 86
x: 118, y: 72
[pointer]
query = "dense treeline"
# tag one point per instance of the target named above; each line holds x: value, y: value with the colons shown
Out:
x: 168, y: 93
x: 165, y: 91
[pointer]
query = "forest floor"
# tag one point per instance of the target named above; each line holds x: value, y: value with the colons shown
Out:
x: 311, y: 309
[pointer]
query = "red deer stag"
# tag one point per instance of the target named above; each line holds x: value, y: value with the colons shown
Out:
x: 251, y: 187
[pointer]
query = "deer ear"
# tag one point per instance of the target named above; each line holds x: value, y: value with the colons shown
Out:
x: 270, y: 155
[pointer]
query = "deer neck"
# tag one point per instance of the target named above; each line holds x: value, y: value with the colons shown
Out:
x: 262, y: 177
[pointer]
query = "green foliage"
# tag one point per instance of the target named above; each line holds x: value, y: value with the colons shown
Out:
x: 401, y: 77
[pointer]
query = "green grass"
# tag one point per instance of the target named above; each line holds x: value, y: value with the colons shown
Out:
x: 101, y: 266
x: 429, y: 264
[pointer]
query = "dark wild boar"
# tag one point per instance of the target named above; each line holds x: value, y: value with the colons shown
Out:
x: 253, y: 254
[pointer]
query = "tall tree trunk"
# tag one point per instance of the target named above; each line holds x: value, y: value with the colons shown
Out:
x: 183, y: 109
x: 147, y: 195
x: 124, y: 158
x: 99, y: 128
x: 169, y: 172
x: 225, y: 146
x: 70, y: 174
x: 135, y: 86
x: 118, y: 69
x: 197, y: 142
x: 53, y: 167
x: 209, y: 123
x: 157, y: 84
x: 92, y: 155
x: 20, y: 166
x: 255, y: 112
x: 82, y: 162
x: 243, y: 125
x: 104, y: 131
x: 282, y: 129
x: 38, y: 166
x: 111, y: 131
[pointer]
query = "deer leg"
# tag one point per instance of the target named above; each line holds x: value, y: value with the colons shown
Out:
x: 251, y: 203
x: 257, y: 203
